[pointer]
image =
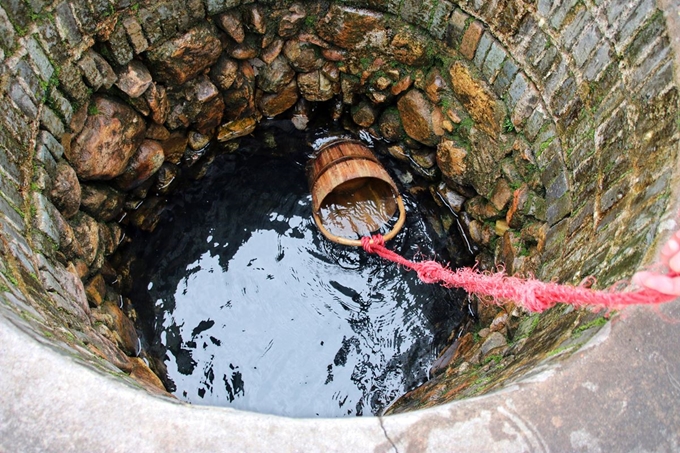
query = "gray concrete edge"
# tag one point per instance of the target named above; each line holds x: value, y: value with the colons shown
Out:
x: 620, y: 392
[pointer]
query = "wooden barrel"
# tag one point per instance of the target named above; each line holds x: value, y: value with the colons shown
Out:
x: 352, y: 192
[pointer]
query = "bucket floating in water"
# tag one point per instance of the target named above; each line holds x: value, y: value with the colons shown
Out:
x: 352, y: 194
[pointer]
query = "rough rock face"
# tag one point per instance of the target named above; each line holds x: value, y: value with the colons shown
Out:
x: 145, y: 162
x: 350, y: 28
x: 86, y: 230
x: 418, y: 116
x: 102, y: 201
x: 111, y: 135
x: 183, y: 58
x: 133, y: 79
x: 314, y: 86
x: 223, y: 73
x: 477, y: 99
x: 273, y: 77
x: 451, y: 161
x: 65, y: 193
x: 274, y: 104
x: 409, y: 48
x: 303, y: 56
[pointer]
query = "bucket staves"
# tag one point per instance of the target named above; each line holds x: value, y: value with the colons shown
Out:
x: 352, y: 193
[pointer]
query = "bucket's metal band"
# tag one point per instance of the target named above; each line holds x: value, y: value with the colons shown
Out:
x: 357, y: 242
x: 333, y: 163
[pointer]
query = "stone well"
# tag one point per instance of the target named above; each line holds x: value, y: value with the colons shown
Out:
x: 549, y: 131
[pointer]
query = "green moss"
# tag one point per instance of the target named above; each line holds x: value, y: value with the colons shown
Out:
x: 310, y: 21
x: 495, y: 358
x: 92, y: 109
x: 597, y: 322
x: 12, y: 279
x: 3, y: 288
x: 466, y: 124
x: 508, y: 127
x: 543, y: 146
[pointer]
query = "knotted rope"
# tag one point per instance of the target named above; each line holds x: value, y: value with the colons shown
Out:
x: 534, y: 295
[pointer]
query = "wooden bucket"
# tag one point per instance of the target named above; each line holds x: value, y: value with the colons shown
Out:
x: 352, y: 192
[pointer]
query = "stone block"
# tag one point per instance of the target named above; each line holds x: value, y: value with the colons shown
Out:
x: 585, y: 44
x: 52, y: 144
x: 49, y: 38
x: 196, y: 10
x: 43, y: 218
x: 554, y: 81
x: 11, y: 214
x: 68, y: 286
x: 66, y: 24
x: 17, y: 245
x: 470, y: 40
x: 440, y: 18
x: 558, y: 209
x: 456, y: 28
x: 557, y: 188
x: 555, y: 240
x: 494, y: 60
x: 97, y: 71
x: 39, y: 59
x: 44, y: 156
x: 545, y: 7
x: 560, y: 13
x: 118, y: 46
x: 644, y: 10
x: 482, y: 49
x: 169, y: 22
x: 640, y: 47
x: 8, y: 37
x: 598, y: 62
x: 613, y: 195
x: 8, y: 164
x: 505, y: 77
x: 657, y: 57
x: 18, y: 13
x: 582, y: 219
x: 85, y: 17
x: 516, y: 90
x: 9, y: 188
x: 536, y: 47
x: 51, y: 121
x: 535, y: 122
x: 30, y: 80
x: 525, y: 107
x: 135, y: 34
x: 545, y: 62
x: 150, y: 25
x: 617, y: 9
x: 417, y: 12
x: 15, y: 129
x: 23, y: 100
x: 219, y: 6
x: 657, y: 83
x: 564, y: 96
x: 71, y: 82
x: 580, y: 17
x: 62, y: 106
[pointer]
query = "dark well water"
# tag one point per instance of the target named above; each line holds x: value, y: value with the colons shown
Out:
x: 254, y: 309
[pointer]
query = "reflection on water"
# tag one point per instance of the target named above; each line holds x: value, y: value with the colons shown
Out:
x: 358, y: 212
x: 254, y: 309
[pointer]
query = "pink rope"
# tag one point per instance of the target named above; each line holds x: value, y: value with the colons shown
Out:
x: 534, y: 295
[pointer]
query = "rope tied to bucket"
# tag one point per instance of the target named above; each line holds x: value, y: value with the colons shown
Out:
x: 532, y: 294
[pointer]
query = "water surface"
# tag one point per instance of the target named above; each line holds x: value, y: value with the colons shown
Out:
x: 253, y: 309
